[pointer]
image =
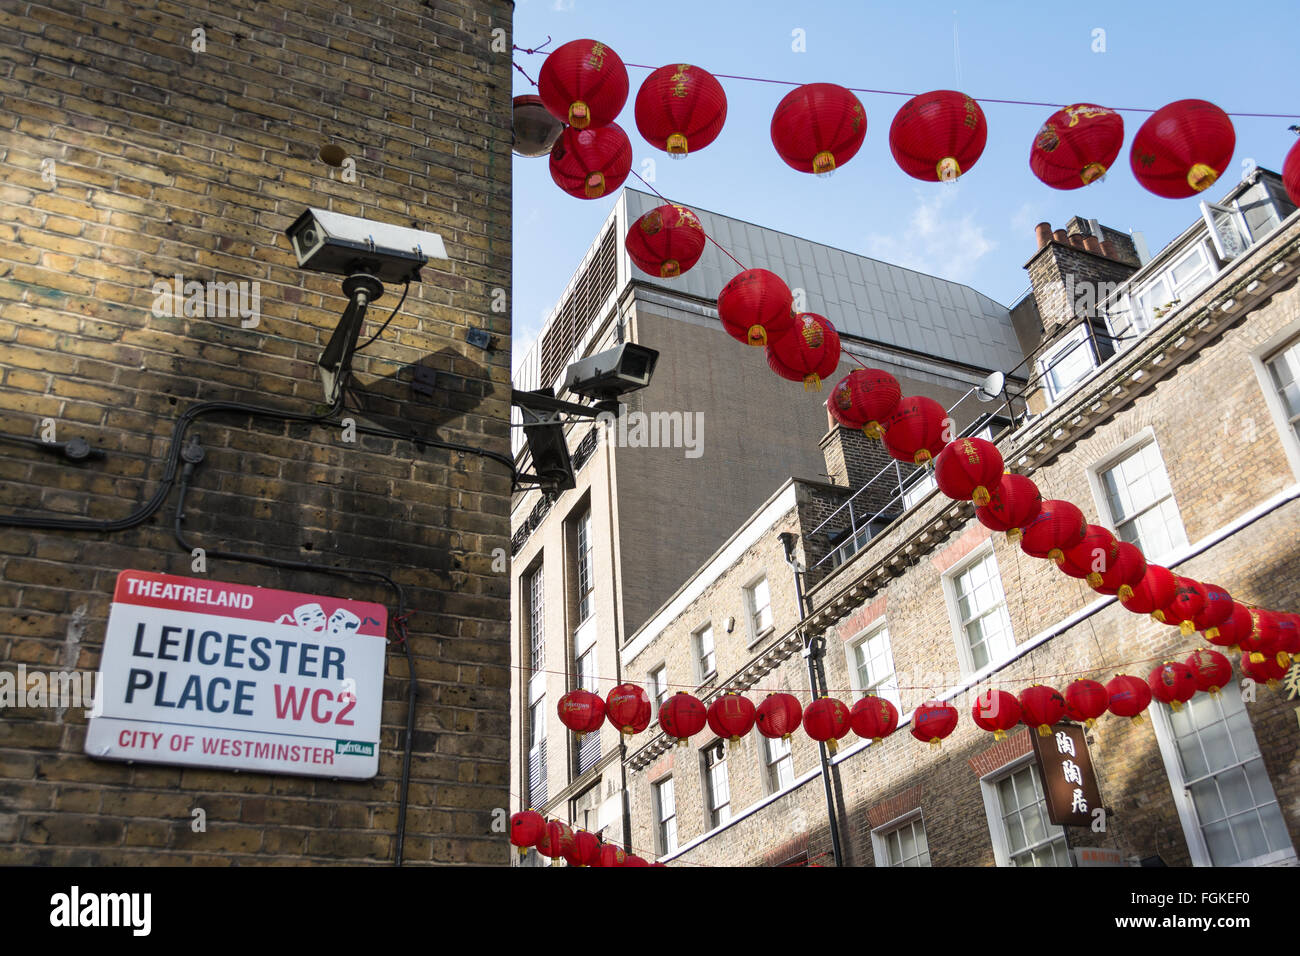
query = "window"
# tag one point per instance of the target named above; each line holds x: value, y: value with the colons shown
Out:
x: 778, y: 762
x: 589, y: 746
x: 537, y: 752
x: 979, y: 609
x: 658, y: 689
x: 1225, y: 801
x: 1017, y: 813
x: 759, y: 599
x: 1284, y: 372
x: 584, y: 576
x: 706, y: 664
x: 717, y: 789
x: 666, y: 814
x: 1067, y: 362
x: 536, y: 620
x: 903, y: 844
x: 1172, y: 287
x: 1141, y: 503
x: 586, y: 807
x: 871, y: 665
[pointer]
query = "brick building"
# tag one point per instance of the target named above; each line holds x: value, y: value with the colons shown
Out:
x: 592, y: 564
x: 1176, y: 426
x: 142, y: 142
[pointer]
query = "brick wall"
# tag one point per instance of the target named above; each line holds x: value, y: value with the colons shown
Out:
x: 127, y: 156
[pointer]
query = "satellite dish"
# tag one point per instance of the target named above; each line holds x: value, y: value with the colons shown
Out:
x: 536, y: 130
x: 991, y: 388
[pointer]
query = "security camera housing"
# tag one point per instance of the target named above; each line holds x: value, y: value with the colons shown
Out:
x: 331, y: 242
x: 607, y: 375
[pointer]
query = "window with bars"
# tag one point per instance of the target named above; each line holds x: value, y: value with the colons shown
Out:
x: 871, y: 664
x: 903, y: 845
x: 666, y: 815
x: 536, y: 621
x: 586, y: 584
x: 1284, y: 371
x: 717, y: 788
x: 778, y: 763
x: 537, y: 752
x: 1027, y: 837
x: 706, y: 664
x: 1236, y: 814
x: 1141, y: 503
x: 980, y: 609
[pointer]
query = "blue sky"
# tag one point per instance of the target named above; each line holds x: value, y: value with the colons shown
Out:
x: 978, y: 231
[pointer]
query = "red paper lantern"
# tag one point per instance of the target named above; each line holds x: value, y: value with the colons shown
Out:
x: 581, y: 711
x: 680, y: 108
x: 1288, y: 633
x: 1217, y: 609
x: 1153, y: 592
x: 808, y: 354
x: 583, y: 83
x: 968, y: 468
x: 937, y: 136
x: 1265, y: 671
x: 996, y: 711
x: 1188, y: 601
x: 1232, y: 629
x: 1172, y: 683
x: 1291, y: 173
x: 1262, y: 641
x: 1211, y: 669
x: 1182, y: 148
x: 1076, y: 145
x: 1091, y: 557
x: 585, y: 850
x: 611, y: 855
x: 863, y: 399
x: 756, y: 307
x: 732, y: 716
x: 1041, y: 706
x: 628, y: 708
x: 874, y: 718
x: 1124, y: 572
x: 1056, y: 528
x: 933, y: 721
x: 526, y: 828
x: 1086, y: 700
x: 666, y: 241
x: 826, y: 720
x: 818, y: 127
x: 556, y: 840
x: 682, y: 716
x: 916, y: 430
x: 634, y: 860
x: 1012, y: 504
x: 590, y: 163
x: 1129, y: 696
x: 535, y: 129
x: 779, y: 715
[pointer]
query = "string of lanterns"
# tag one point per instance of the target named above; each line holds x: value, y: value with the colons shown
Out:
x: 1180, y: 150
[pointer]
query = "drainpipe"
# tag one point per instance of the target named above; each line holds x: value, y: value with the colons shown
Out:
x: 814, y: 649
x: 608, y: 442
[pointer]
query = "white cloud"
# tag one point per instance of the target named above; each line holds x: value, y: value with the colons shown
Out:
x: 933, y: 240
x: 562, y: 6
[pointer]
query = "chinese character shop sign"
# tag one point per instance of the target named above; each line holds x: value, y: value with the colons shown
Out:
x: 1068, y: 779
x: 206, y: 674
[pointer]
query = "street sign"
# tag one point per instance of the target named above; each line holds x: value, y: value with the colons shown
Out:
x: 203, y: 673
x: 1069, y: 782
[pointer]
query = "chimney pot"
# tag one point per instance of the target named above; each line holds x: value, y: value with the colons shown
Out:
x: 1092, y: 244
x: 1076, y: 240
x: 1062, y: 237
x: 1108, y: 249
x: 1043, y: 231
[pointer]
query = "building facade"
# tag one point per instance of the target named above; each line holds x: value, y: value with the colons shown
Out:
x: 592, y: 564
x: 143, y: 144
x: 1176, y: 427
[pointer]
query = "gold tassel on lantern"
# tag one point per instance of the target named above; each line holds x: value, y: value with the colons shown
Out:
x: 980, y: 497
x: 831, y: 746
x: 1093, y: 579
x: 1159, y: 615
x: 999, y: 734
x: 1014, y: 535
x: 1186, y: 628
x: 812, y: 383
x: 1175, y: 705
x: 1125, y: 592
x: 936, y: 743
x: 873, y: 430
x: 1044, y: 730
x: 1057, y: 555
x: 1090, y: 722
x: 1137, y: 718
x: 757, y: 335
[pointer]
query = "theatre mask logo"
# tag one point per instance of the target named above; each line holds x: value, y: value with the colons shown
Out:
x: 203, y: 673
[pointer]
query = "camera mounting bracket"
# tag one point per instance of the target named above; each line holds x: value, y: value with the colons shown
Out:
x: 335, y: 362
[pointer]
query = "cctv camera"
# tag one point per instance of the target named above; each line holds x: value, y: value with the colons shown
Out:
x: 607, y: 375
x: 346, y: 245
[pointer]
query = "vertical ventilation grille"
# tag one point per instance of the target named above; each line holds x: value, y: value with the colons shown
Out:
x: 579, y: 310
